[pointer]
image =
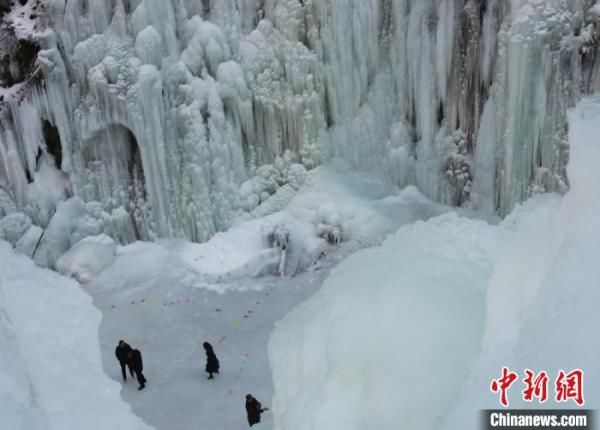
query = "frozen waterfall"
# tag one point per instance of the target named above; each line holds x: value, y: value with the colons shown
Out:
x: 172, y: 118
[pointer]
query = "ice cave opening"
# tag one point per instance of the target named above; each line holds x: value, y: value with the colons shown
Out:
x: 53, y: 143
x: 115, y: 169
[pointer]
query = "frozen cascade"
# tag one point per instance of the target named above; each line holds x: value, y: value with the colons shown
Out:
x: 157, y: 117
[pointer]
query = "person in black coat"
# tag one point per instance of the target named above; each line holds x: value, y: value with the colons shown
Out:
x: 135, y: 361
x: 253, y: 410
x: 122, y: 352
x: 212, y: 363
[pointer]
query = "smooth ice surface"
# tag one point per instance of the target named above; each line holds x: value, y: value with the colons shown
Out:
x: 394, y: 330
x: 51, y: 375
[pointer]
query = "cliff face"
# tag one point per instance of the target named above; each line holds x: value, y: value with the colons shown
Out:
x: 169, y: 118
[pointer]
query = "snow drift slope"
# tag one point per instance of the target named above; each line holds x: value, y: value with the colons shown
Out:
x: 393, y: 329
x: 51, y: 374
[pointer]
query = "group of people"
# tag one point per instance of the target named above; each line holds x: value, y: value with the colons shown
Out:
x: 132, y: 358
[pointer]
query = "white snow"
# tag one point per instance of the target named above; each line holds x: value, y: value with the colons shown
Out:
x: 158, y: 297
x: 51, y: 376
x: 348, y: 206
x: 13, y: 227
x: 392, y: 332
x: 87, y: 258
x: 244, y: 125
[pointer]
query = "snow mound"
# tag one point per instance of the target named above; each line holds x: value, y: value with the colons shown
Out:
x: 51, y: 375
x: 88, y: 257
x: 331, y: 209
x: 14, y: 226
x: 398, y: 324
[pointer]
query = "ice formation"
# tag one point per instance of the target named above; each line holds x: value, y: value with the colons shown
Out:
x: 332, y: 214
x: 552, y: 314
x: 88, y: 257
x: 414, y: 331
x: 170, y: 118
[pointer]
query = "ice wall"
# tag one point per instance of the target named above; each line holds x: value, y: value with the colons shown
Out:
x: 541, y: 304
x: 414, y: 331
x: 162, y: 111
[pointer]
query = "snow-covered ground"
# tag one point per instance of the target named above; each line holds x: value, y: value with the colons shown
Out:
x: 168, y: 298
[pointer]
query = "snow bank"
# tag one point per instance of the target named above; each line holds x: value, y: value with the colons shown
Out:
x: 137, y: 264
x: 51, y: 374
x: 332, y: 207
x: 244, y: 251
x: 88, y: 257
x: 392, y: 331
x: 544, y: 289
x: 14, y: 226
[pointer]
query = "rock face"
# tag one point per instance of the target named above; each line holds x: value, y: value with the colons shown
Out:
x: 154, y: 113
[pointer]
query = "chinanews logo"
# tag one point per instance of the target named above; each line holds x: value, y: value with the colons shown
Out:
x: 566, y: 388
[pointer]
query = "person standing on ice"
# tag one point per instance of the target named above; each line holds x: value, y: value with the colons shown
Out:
x: 212, y: 363
x: 122, y: 352
x: 135, y: 361
x: 253, y: 410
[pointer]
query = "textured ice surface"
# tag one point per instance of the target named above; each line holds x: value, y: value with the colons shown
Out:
x: 180, y: 114
x: 541, y: 311
x: 359, y: 210
x: 424, y: 322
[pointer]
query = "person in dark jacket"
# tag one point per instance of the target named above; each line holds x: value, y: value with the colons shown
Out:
x: 135, y: 360
x: 253, y: 410
x: 212, y: 363
x: 121, y: 352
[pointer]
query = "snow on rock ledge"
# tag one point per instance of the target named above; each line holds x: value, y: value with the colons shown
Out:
x: 51, y: 375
